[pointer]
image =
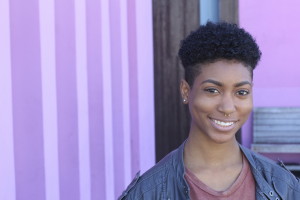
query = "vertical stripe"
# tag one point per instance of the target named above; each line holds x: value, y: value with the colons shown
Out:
x: 82, y: 97
x: 145, y: 83
x: 7, y: 165
x: 75, y: 97
x: 117, y: 94
x: 133, y: 88
x: 27, y: 100
x: 125, y: 83
x: 47, y: 34
x: 95, y: 92
x: 107, y: 100
x: 66, y: 100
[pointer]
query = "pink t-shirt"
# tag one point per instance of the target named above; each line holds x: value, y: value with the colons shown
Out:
x: 242, y: 188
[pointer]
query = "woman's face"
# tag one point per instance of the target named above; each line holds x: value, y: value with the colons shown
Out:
x: 220, y: 100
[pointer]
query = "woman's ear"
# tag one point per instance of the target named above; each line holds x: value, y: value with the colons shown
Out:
x: 184, y: 90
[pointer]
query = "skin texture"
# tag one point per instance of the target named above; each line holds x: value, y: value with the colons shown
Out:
x: 212, y: 153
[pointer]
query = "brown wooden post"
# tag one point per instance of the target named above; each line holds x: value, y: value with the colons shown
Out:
x: 229, y: 11
x: 173, y: 20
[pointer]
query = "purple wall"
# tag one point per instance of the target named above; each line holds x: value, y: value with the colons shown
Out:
x: 276, y: 27
x: 76, y: 97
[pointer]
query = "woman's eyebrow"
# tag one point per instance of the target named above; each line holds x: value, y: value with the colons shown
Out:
x: 242, y: 83
x: 213, y: 82
x: 220, y: 84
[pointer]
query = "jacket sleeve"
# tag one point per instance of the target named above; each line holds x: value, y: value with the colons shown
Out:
x: 124, y: 195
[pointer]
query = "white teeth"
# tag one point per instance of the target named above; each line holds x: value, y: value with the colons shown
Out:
x: 223, y: 123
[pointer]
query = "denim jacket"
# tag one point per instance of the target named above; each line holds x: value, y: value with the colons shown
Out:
x: 166, y: 179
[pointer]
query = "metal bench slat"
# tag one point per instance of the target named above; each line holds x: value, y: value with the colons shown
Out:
x: 276, y: 148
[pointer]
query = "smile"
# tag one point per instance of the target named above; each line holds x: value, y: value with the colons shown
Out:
x: 225, y: 124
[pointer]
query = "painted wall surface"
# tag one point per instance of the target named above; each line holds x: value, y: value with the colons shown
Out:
x: 76, y: 97
x: 275, y: 25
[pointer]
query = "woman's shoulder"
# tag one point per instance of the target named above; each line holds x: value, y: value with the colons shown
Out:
x: 265, y: 164
x: 273, y: 172
x: 150, y: 183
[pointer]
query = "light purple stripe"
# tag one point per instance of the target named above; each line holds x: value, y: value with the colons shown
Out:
x: 66, y: 100
x: 82, y: 97
x: 145, y: 83
x: 125, y: 83
x: 47, y: 33
x: 27, y: 100
x: 133, y: 88
x: 95, y: 92
x: 7, y: 164
x: 117, y: 94
x: 107, y: 100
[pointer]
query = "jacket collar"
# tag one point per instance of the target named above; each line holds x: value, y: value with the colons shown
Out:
x: 263, y: 188
x: 179, y: 168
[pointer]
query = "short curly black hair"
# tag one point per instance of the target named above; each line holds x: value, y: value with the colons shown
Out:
x: 215, y: 41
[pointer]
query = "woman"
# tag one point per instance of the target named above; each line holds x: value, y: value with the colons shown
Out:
x: 219, y: 60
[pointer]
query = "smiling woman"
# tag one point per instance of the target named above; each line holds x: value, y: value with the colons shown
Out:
x: 219, y: 60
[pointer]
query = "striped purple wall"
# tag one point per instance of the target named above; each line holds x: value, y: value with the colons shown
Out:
x: 76, y: 97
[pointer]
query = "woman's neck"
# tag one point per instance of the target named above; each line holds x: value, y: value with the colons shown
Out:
x: 200, y: 153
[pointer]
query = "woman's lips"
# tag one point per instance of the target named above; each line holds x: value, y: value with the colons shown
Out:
x: 221, y: 125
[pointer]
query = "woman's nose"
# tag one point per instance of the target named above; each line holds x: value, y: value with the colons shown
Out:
x: 227, y: 105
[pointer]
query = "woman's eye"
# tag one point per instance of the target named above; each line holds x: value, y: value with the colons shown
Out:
x: 211, y: 90
x: 243, y: 92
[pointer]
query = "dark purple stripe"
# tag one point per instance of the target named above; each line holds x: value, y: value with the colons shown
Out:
x: 95, y: 94
x: 27, y: 100
x: 66, y: 100
x: 133, y: 88
x: 117, y: 95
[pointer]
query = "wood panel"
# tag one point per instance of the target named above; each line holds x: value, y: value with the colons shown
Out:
x: 173, y: 20
x: 228, y: 11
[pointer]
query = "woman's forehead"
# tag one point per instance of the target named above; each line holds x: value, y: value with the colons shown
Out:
x: 224, y: 71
